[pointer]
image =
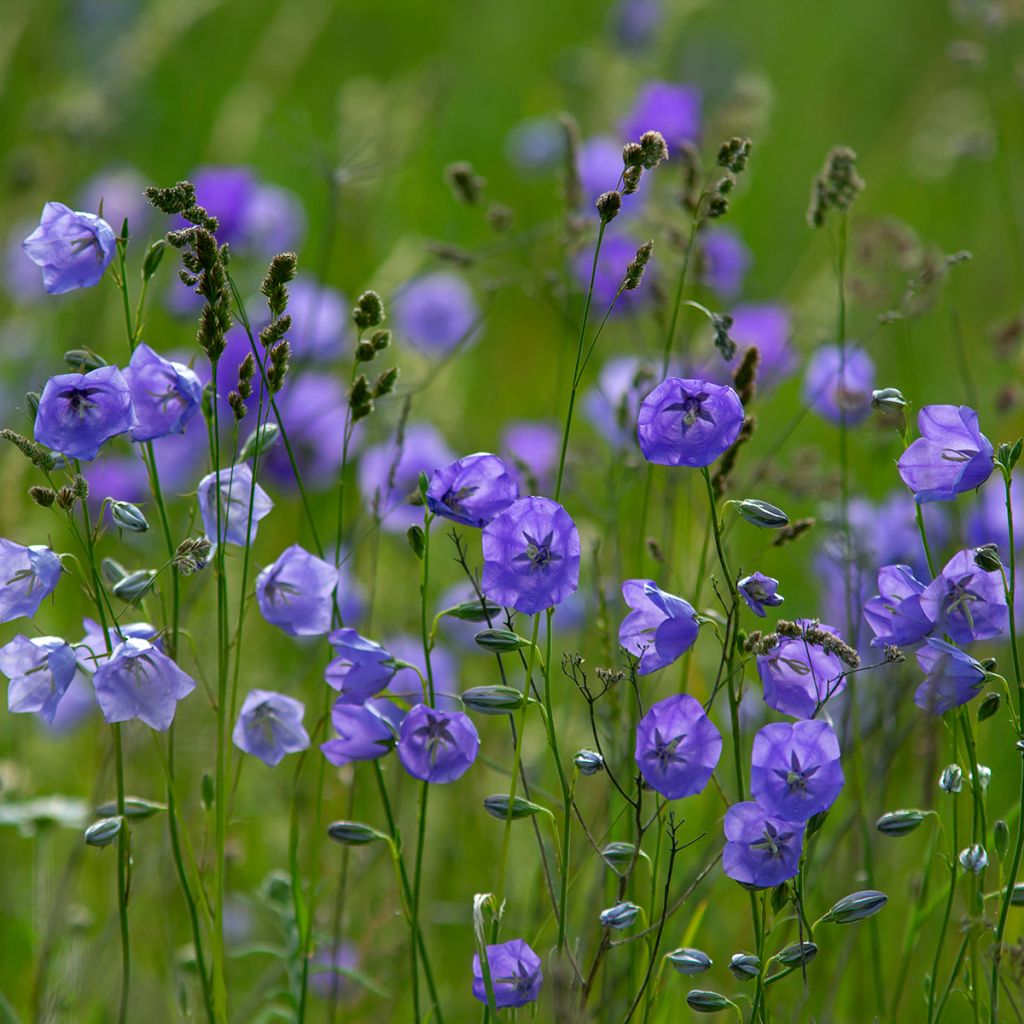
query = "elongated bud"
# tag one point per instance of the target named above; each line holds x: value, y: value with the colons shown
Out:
x: 474, y: 611
x: 1008, y: 455
x: 588, y: 762
x: 112, y: 571
x: 82, y: 360
x: 104, y: 832
x: 707, y: 1002
x: 974, y: 858
x: 353, y: 833
x: 622, y: 915
x: 888, y: 400
x: 952, y: 779
x: 689, y: 962
x: 497, y: 806
x: 414, y: 535
x: 128, y: 517
x: 150, y: 262
x: 987, y: 558
x: 259, y: 441
x: 989, y: 706
x: 1001, y: 838
x: 858, y: 906
x: 618, y: 854
x: 135, y: 585
x: 796, y: 954
x: 492, y: 700
x: 761, y: 513
x: 900, y: 823
x: 744, y: 966
x: 136, y: 808
x: 500, y: 641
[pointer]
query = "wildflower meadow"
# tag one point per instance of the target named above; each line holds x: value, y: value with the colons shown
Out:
x: 511, y: 512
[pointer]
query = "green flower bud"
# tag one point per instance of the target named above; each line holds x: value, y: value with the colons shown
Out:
x: 492, y: 700
x: 259, y: 441
x: 744, y: 966
x: 353, y: 833
x: 689, y: 961
x: 497, y: 806
x: 128, y: 517
x: 900, y: 823
x: 103, y: 832
x: 858, y: 906
x: 500, y: 641
x: 474, y: 611
x: 134, y: 586
x: 136, y: 808
x: 796, y: 954
x: 706, y: 1002
x: 762, y: 514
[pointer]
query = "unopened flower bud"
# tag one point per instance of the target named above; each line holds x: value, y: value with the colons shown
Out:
x: 112, y: 570
x: 497, y: 806
x: 622, y: 915
x: 761, y: 513
x: 1001, y: 838
x: 974, y: 858
x: 689, y: 961
x: 900, y: 823
x: 128, y: 517
x: 858, y: 906
x: 103, y: 832
x: 136, y: 808
x: 474, y: 611
x: 135, y: 585
x: 987, y: 558
x: 952, y: 779
x: 984, y: 776
x: 618, y: 855
x: 588, y: 762
x: 492, y: 700
x: 82, y: 360
x: 888, y: 400
x: 500, y: 641
x: 154, y: 254
x: 989, y: 706
x: 798, y: 953
x: 744, y: 966
x: 353, y: 833
x: 259, y: 441
x: 706, y: 1002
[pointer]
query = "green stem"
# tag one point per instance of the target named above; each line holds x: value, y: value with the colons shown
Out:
x: 933, y: 981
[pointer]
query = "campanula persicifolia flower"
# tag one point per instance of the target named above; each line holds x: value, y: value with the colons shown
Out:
x: 320, y: 320
x: 660, y: 628
x: 361, y: 668
x: 677, y: 746
x: 269, y: 726
x: 950, y: 457
x: 688, y: 422
x: 473, y: 490
x: 673, y: 110
x: 27, y: 576
x: 531, y: 556
x: 531, y: 449
x: 966, y: 602
x: 762, y: 850
x: 437, y: 746
x: 613, y: 404
x: 295, y: 592
x: 799, y: 676
x: 165, y: 394
x: 837, y: 392
x: 73, y: 249
x: 724, y: 261
x: 795, y: 771
x: 78, y: 412
x: 91, y: 651
x: 363, y: 734
x: 232, y: 486
x: 895, y: 614
x: 436, y: 312
x: 40, y: 669
x: 759, y: 592
x: 140, y: 681
x: 952, y: 677
x: 515, y: 974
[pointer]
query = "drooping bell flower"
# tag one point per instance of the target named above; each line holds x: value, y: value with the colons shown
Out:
x: 688, y: 422
x: 165, y: 394
x: 232, y: 486
x: 73, y: 249
x: 952, y: 677
x: 472, y: 490
x: 40, y: 669
x: 361, y: 669
x: 895, y: 614
x: 660, y: 628
x: 295, y: 592
x: 950, y: 457
x: 27, y: 576
x: 759, y: 592
x: 362, y: 734
x: 966, y: 602
x: 269, y: 726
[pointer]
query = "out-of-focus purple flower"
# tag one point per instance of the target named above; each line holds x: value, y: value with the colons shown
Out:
x: 232, y: 486
x: 331, y: 977
x: 834, y: 393
x: 673, y: 110
x: 407, y: 684
x: 225, y: 193
x: 27, y: 576
x: 270, y: 726
x: 613, y: 404
x: 91, y: 650
x: 22, y: 279
x: 617, y: 250
x: 986, y: 523
x: 766, y: 327
x: 76, y: 706
x: 363, y: 734
x: 388, y: 476
x: 677, y: 746
x: 40, y: 669
x: 120, y: 191
x: 274, y: 221
x: 515, y: 974
x: 636, y: 21
x: 295, y: 592
x: 688, y: 422
x: 437, y: 746
x: 436, y: 312
x: 952, y: 677
x: 73, y: 249
x: 798, y: 676
x: 795, y: 771
x: 950, y: 457
x: 472, y: 490
x: 531, y: 556
x: 895, y: 614
x: 320, y: 320
x: 725, y: 260
x: 599, y: 166
x: 761, y: 850
x: 78, y: 412
x: 536, y: 143
x: 165, y: 395
x: 660, y: 628
x: 532, y: 448
x: 139, y: 681
x: 966, y: 602
x: 759, y: 592
x: 361, y: 668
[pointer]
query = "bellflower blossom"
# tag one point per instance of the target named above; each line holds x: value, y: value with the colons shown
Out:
x: 673, y: 110
x: 795, y: 771
x: 40, y: 669
x: 295, y: 592
x: 613, y: 404
x: 831, y: 397
x: 140, y: 681
x: 91, y: 650
x: 759, y: 592
x: 320, y: 320
x: 361, y: 668
x: 233, y: 486
x: 437, y: 746
x: 761, y: 850
x: 165, y: 395
x: 27, y: 576
x: 536, y: 143
x: 766, y: 327
x: 660, y: 628
x: 688, y: 422
x: 436, y: 312
x: 515, y: 974
x: 78, y: 412
x: 950, y: 457
x: 966, y: 602
x: 363, y: 734
x: 799, y: 676
x: 269, y: 726
x: 472, y: 490
x: 895, y: 614
x: 73, y: 249
x: 225, y: 193
x: 952, y: 678
x: 677, y: 746
x: 531, y: 556
x: 725, y: 260
x: 532, y: 449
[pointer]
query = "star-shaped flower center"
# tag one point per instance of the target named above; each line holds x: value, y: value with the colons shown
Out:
x: 538, y: 553
x: 521, y: 978
x: 959, y: 598
x: 692, y: 409
x: 772, y: 842
x: 664, y: 753
x: 795, y: 777
x: 435, y: 735
x: 455, y: 499
x: 79, y: 400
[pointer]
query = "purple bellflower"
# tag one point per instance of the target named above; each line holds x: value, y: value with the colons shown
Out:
x: 233, y: 486
x: 436, y: 312
x: 165, y: 395
x: 78, y: 412
x: 835, y: 393
x: 952, y: 678
x: 673, y: 110
x: 361, y: 668
x: 269, y: 726
x: 895, y: 614
x: 761, y: 850
x: 473, y: 490
x: 759, y: 592
x: 688, y: 422
x: 677, y: 746
x: 296, y: 592
x: 40, y: 669
x: 515, y: 974
x: 660, y: 628
x: 91, y: 650
x: 320, y: 320
x: 966, y: 602
x: 725, y: 260
x: 950, y: 457
x: 363, y: 734
x: 532, y: 453
x: 27, y: 576
x: 437, y: 746
x: 798, y: 676
x: 73, y: 249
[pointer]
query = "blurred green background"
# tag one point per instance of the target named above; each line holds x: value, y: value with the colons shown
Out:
x: 357, y: 108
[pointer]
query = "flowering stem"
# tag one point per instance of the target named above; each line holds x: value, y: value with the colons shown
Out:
x: 933, y: 980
